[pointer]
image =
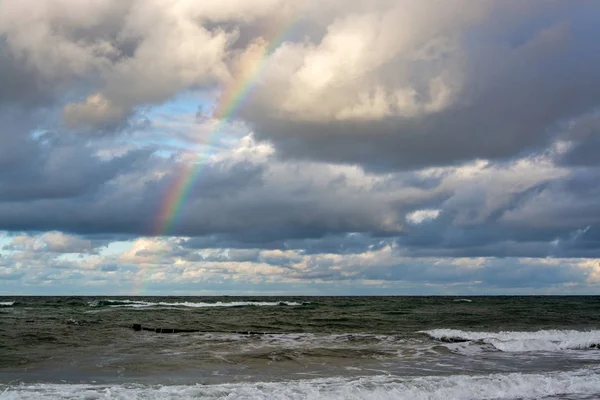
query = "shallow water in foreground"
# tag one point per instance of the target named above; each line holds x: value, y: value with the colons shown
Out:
x: 314, y: 347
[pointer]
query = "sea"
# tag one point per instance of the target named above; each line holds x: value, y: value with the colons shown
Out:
x: 502, y: 347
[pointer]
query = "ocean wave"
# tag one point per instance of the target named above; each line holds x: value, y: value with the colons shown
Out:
x: 258, y: 340
x: 305, y: 344
x: 463, y: 300
x: 584, y: 382
x: 145, y: 304
x: 515, y: 341
x: 7, y: 303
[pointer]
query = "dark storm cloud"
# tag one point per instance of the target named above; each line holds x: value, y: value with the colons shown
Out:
x: 56, y: 176
x: 71, y: 188
x: 241, y: 203
x: 19, y: 85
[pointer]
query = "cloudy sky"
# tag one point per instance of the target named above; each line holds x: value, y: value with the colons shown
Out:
x: 299, y: 147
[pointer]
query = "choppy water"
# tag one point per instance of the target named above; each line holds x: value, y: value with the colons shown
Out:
x: 298, y: 348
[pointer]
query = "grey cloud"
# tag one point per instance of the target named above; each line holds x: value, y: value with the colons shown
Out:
x: 348, y: 243
x: 548, y: 223
x: 19, y: 85
x: 567, y: 204
x: 513, y: 94
x: 584, y: 153
x: 268, y: 204
x: 112, y: 57
x: 581, y: 140
x: 521, y: 78
x: 125, y: 194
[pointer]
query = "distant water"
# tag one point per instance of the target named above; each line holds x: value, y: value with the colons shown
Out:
x: 300, y: 348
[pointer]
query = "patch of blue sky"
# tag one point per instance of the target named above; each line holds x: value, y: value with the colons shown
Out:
x: 5, y: 240
x: 184, y: 123
x: 116, y: 248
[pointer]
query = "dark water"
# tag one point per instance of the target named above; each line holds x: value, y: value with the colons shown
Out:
x: 313, y: 347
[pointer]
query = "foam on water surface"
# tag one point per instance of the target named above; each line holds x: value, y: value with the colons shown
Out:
x: 520, y: 341
x: 146, y: 304
x: 84, y: 348
x: 7, y: 303
x: 572, y: 384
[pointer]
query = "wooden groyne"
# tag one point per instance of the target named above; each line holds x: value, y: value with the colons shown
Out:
x: 139, y: 327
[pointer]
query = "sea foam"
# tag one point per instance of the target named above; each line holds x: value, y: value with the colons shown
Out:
x: 7, y: 303
x: 516, y: 341
x: 145, y: 304
x: 585, y: 382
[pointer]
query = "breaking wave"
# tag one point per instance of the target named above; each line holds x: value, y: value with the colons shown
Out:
x: 7, y: 303
x: 515, y: 341
x: 145, y: 304
x: 584, y: 382
x: 463, y: 300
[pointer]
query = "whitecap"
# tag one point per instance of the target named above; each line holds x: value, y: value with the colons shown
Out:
x: 145, y: 304
x: 520, y: 341
x: 584, y: 382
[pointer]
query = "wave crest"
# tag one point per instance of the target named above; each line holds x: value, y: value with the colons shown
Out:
x: 516, y: 341
x: 457, y: 387
x: 145, y: 304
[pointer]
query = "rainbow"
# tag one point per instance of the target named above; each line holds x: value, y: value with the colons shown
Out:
x: 232, y: 99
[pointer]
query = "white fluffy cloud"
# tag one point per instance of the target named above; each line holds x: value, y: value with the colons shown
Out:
x: 167, y: 265
x: 50, y: 242
x: 369, y: 65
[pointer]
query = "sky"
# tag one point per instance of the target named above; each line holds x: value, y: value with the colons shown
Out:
x: 270, y: 147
